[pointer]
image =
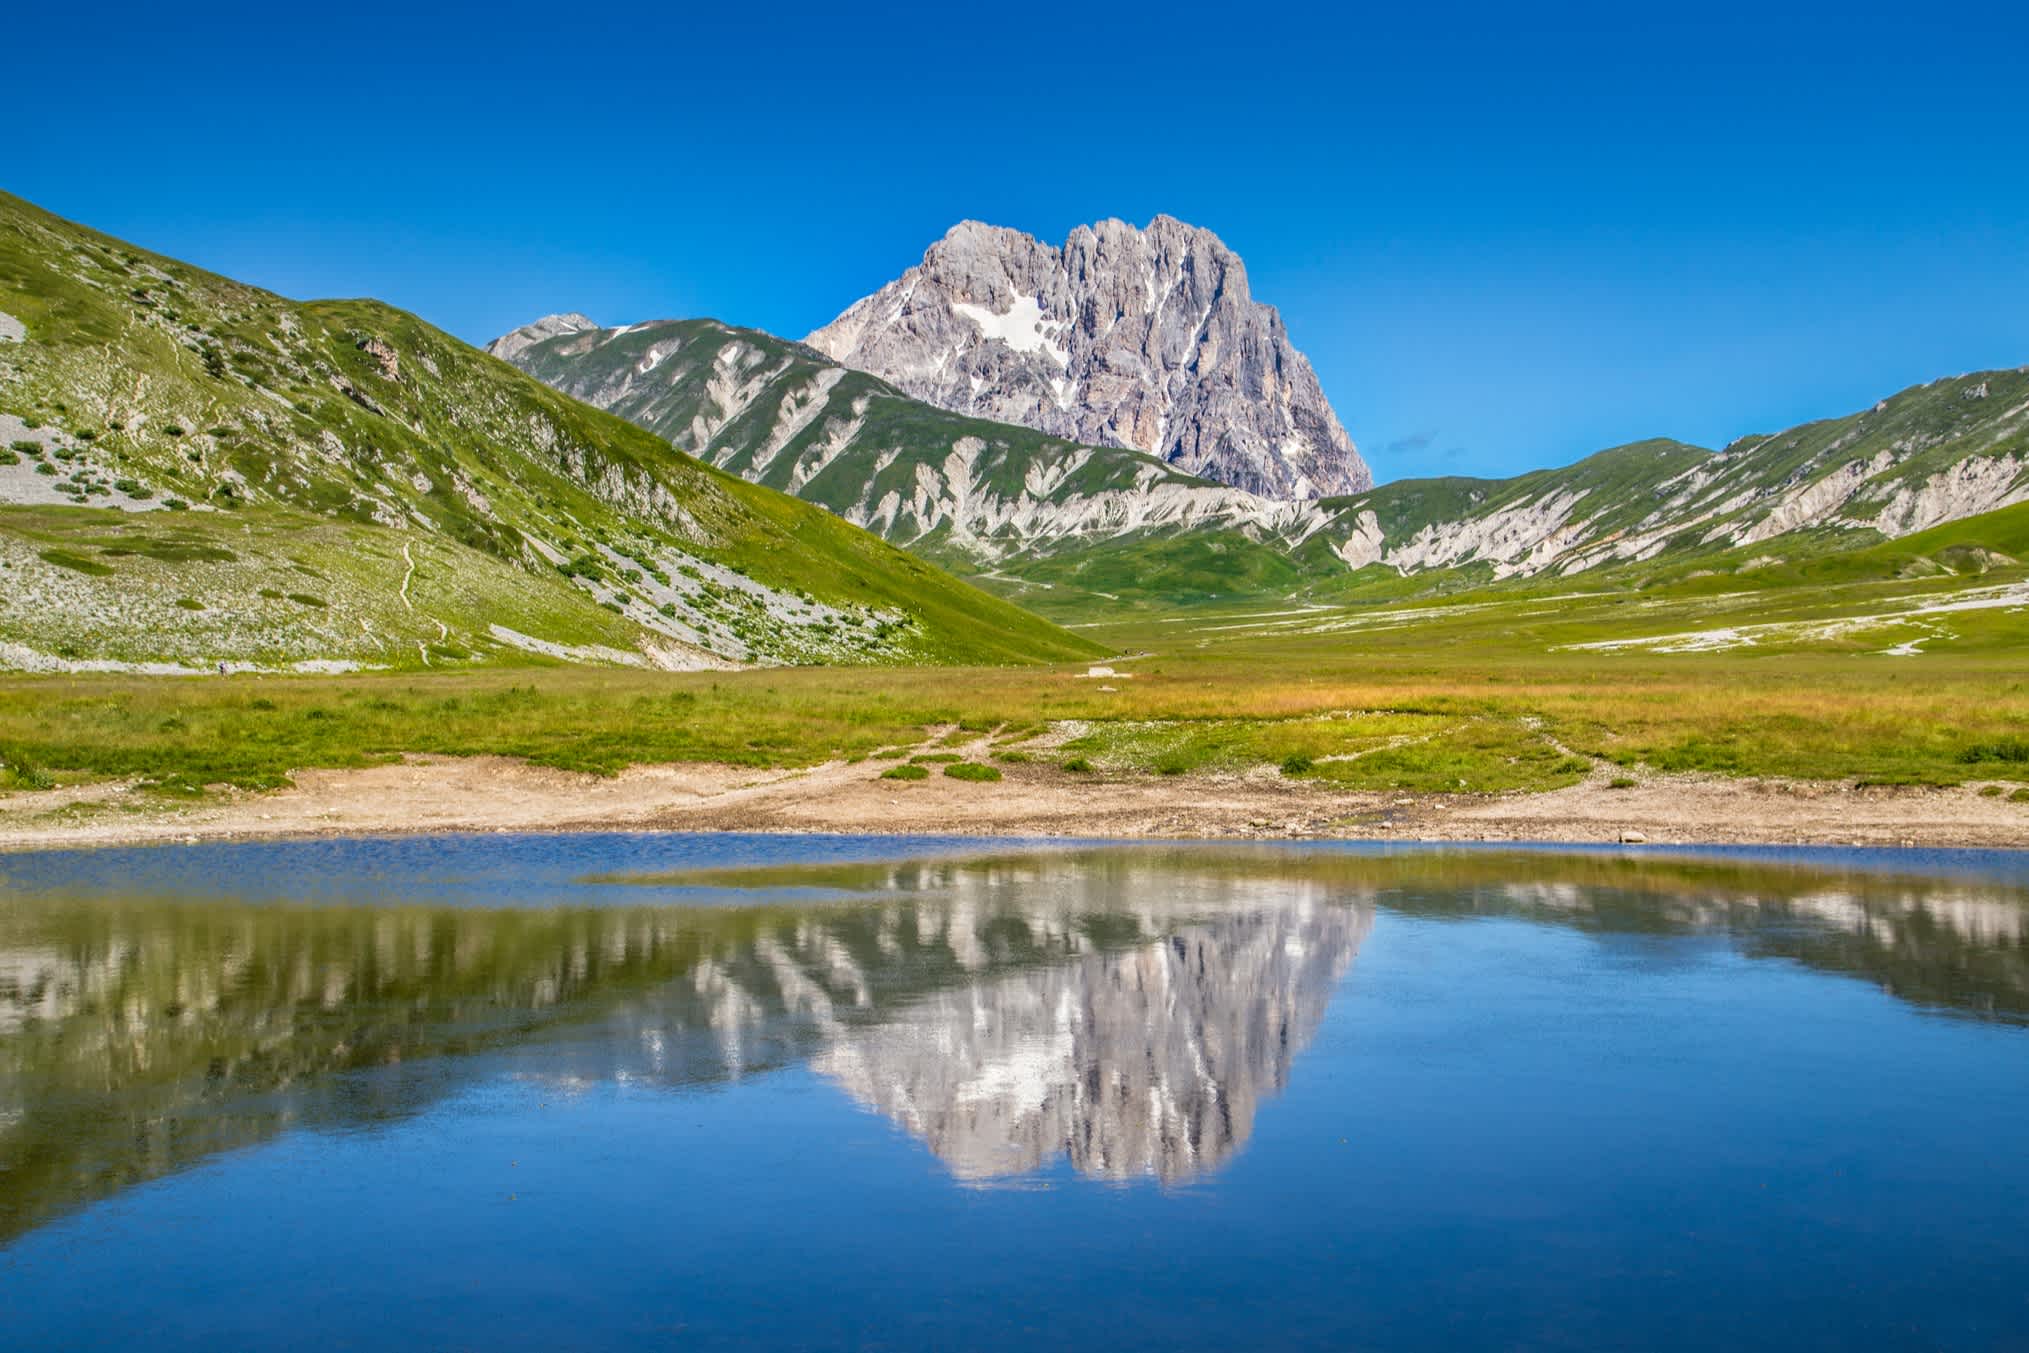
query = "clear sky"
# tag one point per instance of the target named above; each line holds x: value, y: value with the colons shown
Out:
x: 1506, y: 236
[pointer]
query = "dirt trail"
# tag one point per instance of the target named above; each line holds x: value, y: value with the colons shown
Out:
x: 437, y: 794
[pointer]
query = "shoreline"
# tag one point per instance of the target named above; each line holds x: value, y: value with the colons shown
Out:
x: 424, y: 795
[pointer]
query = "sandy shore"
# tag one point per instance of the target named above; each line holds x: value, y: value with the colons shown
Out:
x: 440, y: 794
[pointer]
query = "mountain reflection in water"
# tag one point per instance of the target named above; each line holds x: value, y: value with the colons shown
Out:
x: 1129, y: 1010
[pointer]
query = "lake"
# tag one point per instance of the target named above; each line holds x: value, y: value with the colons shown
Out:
x: 643, y: 1091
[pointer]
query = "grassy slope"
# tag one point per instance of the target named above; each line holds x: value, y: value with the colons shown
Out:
x: 1923, y: 430
x: 142, y: 373
x: 1624, y: 476
x: 675, y: 397
x: 671, y: 377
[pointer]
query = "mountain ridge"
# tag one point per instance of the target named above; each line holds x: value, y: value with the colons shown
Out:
x: 1004, y: 502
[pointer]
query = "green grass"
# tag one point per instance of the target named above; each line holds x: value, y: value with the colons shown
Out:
x: 2008, y: 751
x: 910, y: 771
x: 1480, y: 697
x: 972, y: 771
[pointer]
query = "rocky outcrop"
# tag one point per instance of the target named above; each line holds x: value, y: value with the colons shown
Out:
x: 1143, y: 339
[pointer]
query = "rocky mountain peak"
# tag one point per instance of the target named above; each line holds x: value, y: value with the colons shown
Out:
x: 1146, y: 338
x: 510, y: 345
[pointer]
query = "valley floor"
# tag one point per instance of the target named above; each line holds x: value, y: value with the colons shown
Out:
x: 462, y: 794
x: 1881, y: 711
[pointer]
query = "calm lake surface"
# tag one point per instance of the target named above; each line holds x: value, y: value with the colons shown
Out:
x: 674, y: 1091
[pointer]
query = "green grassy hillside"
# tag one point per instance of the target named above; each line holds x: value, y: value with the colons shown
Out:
x: 247, y: 441
x: 1018, y: 509
x: 1936, y: 453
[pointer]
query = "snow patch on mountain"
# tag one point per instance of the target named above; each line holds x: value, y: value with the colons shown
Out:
x: 1021, y: 328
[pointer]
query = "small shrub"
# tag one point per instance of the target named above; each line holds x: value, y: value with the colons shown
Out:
x: 76, y: 563
x: 189, y: 603
x: 1012, y: 756
x: 2019, y: 796
x: 935, y: 758
x: 9, y: 458
x: 44, y: 467
x: 1991, y: 791
x: 1078, y: 765
x: 18, y: 772
x: 26, y: 447
x: 974, y: 771
x: 905, y: 772
x: 1297, y: 764
x: 1621, y: 782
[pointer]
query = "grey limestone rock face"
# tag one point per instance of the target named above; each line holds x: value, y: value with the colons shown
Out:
x: 511, y: 345
x: 1142, y: 338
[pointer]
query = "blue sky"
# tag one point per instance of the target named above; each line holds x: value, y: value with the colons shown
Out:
x: 1505, y: 236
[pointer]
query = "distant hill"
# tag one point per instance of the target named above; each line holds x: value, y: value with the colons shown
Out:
x: 1939, y: 452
